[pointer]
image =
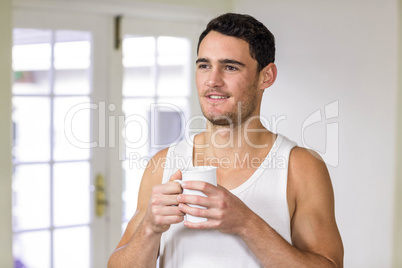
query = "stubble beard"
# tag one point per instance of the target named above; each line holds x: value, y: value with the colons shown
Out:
x: 238, y: 115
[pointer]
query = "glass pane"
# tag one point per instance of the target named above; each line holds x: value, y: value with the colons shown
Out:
x: 72, y: 36
x: 168, y: 122
x: 179, y: 104
x: 72, y: 53
x: 173, y: 81
x: 71, y: 247
x: 138, y: 51
x: 173, y: 66
x: 31, y: 119
x: 173, y: 51
x: 32, y: 249
x: 31, y: 82
x: 31, y: 61
x: 71, y: 194
x: 138, y: 81
x: 139, y: 63
x: 31, y: 197
x: 72, y: 128
x: 136, y: 133
x: 72, y: 82
x: 26, y: 36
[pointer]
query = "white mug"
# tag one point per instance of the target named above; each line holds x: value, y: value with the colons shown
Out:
x: 198, y: 173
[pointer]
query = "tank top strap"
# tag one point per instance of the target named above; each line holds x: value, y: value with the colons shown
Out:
x: 179, y: 156
x: 284, y: 147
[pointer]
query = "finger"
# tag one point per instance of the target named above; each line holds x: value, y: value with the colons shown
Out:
x: 174, y: 187
x: 200, y: 225
x: 167, y: 188
x: 164, y: 200
x: 167, y: 220
x: 167, y: 211
x: 204, y: 187
x: 194, y: 211
x: 176, y: 176
x: 203, y: 212
x: 194, y: 200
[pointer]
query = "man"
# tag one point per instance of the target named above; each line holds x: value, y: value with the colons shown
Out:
x: 274, y: 204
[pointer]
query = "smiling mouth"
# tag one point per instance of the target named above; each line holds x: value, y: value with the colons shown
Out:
x: 216, y: 97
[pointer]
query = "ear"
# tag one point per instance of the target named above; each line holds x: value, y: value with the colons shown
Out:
x: 268, y: 76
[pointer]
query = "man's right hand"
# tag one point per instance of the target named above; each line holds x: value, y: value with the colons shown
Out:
x: 162, y: 208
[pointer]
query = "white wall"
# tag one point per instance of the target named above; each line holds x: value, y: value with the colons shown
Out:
x: 5, y: 134
x: 347, y: 51
x: 398, y: 187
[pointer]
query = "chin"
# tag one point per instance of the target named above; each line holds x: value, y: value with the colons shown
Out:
x: 222, y: 120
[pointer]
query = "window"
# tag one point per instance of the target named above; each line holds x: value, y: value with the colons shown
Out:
x: 51, y: 182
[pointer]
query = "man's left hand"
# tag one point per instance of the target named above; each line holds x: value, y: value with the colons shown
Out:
x: 225, y: 212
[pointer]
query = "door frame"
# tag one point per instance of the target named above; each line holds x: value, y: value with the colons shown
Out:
x: 99, y: 80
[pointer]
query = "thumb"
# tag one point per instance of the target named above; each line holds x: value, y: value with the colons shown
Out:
x: 176, y: 176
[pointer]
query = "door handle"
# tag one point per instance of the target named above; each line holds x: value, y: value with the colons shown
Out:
x: 100, y: 195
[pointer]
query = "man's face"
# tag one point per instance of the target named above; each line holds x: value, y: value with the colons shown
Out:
x: 227, y: 75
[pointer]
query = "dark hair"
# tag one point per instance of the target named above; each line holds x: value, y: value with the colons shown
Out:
x: 261, y: 41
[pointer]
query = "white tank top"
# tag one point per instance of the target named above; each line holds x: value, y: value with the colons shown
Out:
x: 264, y: 193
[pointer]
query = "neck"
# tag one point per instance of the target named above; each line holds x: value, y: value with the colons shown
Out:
x: 247, y: 137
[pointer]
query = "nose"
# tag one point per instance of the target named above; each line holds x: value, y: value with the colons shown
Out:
x: 215, y: 78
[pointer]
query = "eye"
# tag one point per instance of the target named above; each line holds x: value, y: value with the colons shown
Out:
x: 230, y: 68
x: 203, y: 66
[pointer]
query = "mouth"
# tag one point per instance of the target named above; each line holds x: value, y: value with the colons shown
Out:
x: 217, y: 97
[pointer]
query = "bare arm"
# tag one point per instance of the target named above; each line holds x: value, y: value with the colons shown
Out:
x: 140, y: 243
x: 315, y: 236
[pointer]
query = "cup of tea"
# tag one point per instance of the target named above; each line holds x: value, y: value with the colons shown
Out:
x: 198, y: 173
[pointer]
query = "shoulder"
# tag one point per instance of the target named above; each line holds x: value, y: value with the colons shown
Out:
x: 305, y: 164
x: 154, y: 170
x: 308, y: 177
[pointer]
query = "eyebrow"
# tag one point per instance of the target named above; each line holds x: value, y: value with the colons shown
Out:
x: 223, y: 61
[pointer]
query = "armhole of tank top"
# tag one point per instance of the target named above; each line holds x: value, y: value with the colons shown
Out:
x: 179, y: 154
x: 289, y: 147
x: 168, y: 164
